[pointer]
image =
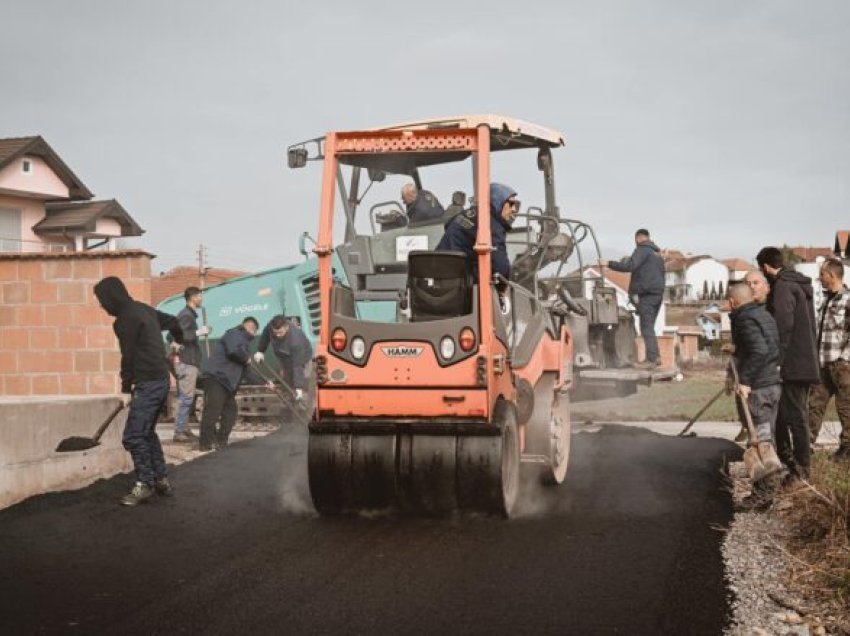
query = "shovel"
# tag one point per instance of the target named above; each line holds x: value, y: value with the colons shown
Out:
x: 760, y: 458
x: 288, y: 400
x: 71, y: 444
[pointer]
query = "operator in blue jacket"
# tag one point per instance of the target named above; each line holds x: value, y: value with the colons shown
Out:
x: 462, y: 228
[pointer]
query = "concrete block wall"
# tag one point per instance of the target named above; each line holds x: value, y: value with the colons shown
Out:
x: 30, y: 431
x: 54, y: 337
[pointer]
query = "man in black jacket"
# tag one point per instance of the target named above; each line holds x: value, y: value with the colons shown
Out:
x: 188, y: 368
x: 222, y: 375
x: 646, y: 289
x: 292, y: 349
x: 756, y: 341
x: 144, y: 383
x: 790, y: 303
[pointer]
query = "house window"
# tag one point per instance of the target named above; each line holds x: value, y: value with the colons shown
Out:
x: 26, y: 166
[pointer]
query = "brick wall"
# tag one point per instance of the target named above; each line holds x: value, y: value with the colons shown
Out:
x: 54, y: 337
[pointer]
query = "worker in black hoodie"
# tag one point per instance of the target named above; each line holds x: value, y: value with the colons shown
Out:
x: 790, y: 303
x: 144, y: 382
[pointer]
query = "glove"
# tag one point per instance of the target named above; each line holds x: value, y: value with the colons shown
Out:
x: 125, y: 398
x: 203, y: 331
x: 299, y: 395
x: 259, y: 357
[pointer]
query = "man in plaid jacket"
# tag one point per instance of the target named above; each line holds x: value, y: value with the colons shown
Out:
x: 833, y: 323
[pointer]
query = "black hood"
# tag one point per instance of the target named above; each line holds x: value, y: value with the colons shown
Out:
x: 113, y: 295
x: 793, y: 276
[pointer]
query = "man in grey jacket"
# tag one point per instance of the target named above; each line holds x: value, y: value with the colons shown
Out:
x: 292, y: 349
x: 646, y: 289
x: 189, y: 364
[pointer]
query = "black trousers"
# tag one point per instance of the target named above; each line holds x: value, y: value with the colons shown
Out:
x: 793, y: 443
x: 219, y: 414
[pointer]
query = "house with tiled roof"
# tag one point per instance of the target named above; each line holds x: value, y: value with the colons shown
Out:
x: 842, y: 244
x: 45, y: 207
x: 810, y: 254
x: 694, y: 278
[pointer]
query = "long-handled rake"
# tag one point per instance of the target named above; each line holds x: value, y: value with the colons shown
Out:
x: 290, y: 400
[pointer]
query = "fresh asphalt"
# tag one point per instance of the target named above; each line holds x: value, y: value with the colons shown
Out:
x: 629, y: 544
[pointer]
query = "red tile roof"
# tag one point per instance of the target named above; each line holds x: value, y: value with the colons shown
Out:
x: 842, y: 243
x: 809, y: 254
x: 738, y: 264
x: 176, y: 280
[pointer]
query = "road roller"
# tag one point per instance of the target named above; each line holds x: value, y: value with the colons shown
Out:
x: 437, y: 392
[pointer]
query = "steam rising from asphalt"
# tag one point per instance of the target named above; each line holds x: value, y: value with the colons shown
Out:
x: 294, y: 488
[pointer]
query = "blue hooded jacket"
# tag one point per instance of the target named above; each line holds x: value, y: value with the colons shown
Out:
x: 462, y: 228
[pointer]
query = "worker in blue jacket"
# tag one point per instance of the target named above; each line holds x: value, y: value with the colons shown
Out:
x: 461, y: 231
x: 222, y: 376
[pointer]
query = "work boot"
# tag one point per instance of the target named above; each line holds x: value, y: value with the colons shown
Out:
x: 141, y: 493
x: 182, y: 437
x: 647, y: 365
x: 163, y: 487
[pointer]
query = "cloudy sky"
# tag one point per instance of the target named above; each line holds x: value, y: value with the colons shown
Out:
x: 722, y: 126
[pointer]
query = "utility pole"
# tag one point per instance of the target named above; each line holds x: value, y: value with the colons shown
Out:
x: 202, y: 283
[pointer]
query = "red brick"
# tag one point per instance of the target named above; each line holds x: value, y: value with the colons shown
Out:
x: 60, y: 361
x: 100, y: 338
x: 33, y: 361
x: 41, y: 292
x: 15, y: 338
x: 119, y: 267
x: 87, y: 315
x: 87, y: 361
x: 43, y: 338
x: 8, y: 270
x: 72, y: 384
x: 110, y: 360
x: 17, y: 385
x: 72, y: 292
x: 87, y: 269
x: 31, y: 269
x: 16, y: 293
x: 8, y: 316
x: 72, y: 337
x: 103, y: 383
x: 45, y: 385
x: 140, y: 267
x: 9, y: 362
x: 61, y: 269
x: 58, y: 315
x: 31, y: 316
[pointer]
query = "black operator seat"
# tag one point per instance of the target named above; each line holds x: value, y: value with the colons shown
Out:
x: 439, y: 284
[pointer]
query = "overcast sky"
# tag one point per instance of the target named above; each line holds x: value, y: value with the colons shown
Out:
x: 722, y: 126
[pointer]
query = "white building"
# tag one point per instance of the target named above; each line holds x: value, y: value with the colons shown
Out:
x: 694, y: 279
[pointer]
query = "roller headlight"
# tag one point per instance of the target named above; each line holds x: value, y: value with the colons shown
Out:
x: 358, y: 348
x: 447, y: 348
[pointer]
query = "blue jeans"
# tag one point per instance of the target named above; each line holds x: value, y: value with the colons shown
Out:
x: 648, y: 307
x: 140, y: 438
x: 187, y: 380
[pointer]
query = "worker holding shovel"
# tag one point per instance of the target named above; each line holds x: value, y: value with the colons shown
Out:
x: 756, y: 380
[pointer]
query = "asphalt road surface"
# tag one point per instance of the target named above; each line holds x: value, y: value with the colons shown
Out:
x: 630, y: 544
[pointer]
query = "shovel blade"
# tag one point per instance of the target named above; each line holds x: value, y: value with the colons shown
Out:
x: 73, y: 444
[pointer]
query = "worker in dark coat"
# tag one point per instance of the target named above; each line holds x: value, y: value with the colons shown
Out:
x: 422, y: 206
x: 646, y: 289
x: 462, y: 229
x: 756, y: 341
x: 145, y: 380
x: 293, y: 351
x: 222, y: 376
x: 790, y: 302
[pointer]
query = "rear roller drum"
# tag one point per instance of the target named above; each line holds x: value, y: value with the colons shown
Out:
x: 549, y: 429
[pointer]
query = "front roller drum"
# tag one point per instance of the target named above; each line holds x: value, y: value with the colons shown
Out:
x: 350, y: 473
x: 426, y: 474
